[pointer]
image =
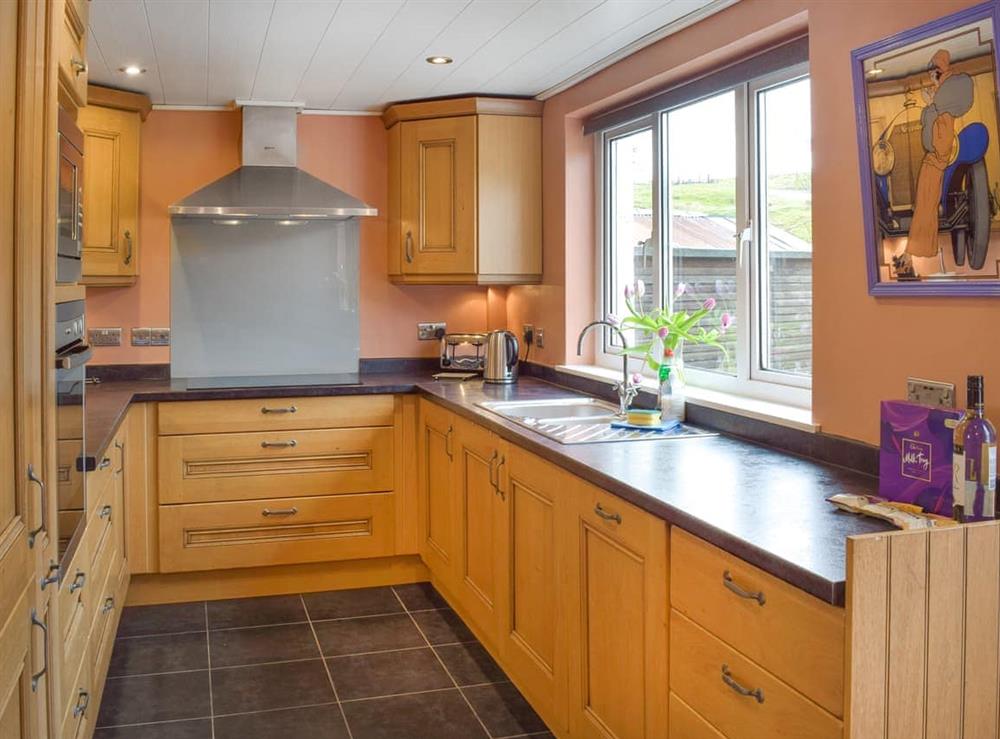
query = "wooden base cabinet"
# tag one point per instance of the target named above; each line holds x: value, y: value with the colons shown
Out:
x: 435, y: 466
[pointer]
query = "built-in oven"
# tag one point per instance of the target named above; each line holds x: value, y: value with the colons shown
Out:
x: 72, y: 353
x: 69, y: 249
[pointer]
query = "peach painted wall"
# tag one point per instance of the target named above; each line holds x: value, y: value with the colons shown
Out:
x: 183, y: 150
x: 864, y: 348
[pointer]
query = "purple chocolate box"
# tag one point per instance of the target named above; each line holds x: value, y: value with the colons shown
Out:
x: 915, y: 455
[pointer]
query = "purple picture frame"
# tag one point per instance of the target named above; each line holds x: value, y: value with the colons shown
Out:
x: 876, y: 286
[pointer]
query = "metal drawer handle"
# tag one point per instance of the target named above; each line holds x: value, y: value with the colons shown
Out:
x: 409, y: 247
x: 447, y: 442
x: 727, y: 580
x: 727, y: 678
x: 82, y: 701
x: 78, y: 582
x: 105, y: 512
x: 55, y: 571
x: 109, y: 604
x: 280, y: 511
x: 36, y: 678
x: 79, y: 66
x: 607, y: 515
x: 289, y: 409
x: 43, y: 504
x: 278, y: 444
x: 104, y: 463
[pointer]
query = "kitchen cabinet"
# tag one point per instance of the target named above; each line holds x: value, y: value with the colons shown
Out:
x: 437, y: 536
x: 465, y: 192
x: 72, y: 45
x: 111, y: 131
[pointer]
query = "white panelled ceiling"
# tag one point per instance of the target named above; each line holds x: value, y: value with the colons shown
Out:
x: 357, y: 55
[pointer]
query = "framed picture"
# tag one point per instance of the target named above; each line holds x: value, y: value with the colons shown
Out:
x: 927, y: 114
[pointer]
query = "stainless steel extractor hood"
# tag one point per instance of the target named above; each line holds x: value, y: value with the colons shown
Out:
x: 269, y: 185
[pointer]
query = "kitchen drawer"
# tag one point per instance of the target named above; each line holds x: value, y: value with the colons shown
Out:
x: 69, y: 477
x: 700, y: 664
x: 216, y: 467
x: 685, y: 723
x: 108, y: 606
x: 72, y: 52
x: 99, y: 479
x: 69, y: 602
x: 790, y: 633
x: 274, y: 414
x: 79, y: 708
x: 211, y: 536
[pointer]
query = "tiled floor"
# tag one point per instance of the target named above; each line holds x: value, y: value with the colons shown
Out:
x: 375, y: 663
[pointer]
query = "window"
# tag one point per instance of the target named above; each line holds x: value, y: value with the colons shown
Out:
x: 712, y: 198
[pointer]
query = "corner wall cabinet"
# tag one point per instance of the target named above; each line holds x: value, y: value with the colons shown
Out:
x: 465, y: 192
x: 111, y: 130
x: 72, y: 59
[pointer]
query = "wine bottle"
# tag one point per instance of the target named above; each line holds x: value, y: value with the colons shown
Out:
x: 974, y: 459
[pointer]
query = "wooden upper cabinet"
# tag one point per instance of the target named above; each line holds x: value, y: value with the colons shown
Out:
x: 465, y: 198
x: 72, y: 49
x: 110, y: 128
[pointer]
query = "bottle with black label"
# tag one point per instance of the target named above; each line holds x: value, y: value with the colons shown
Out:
x: 974, y: 460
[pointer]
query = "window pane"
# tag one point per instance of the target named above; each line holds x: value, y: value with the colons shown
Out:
x: 785, y: 186
x: 632, y: 252
x: 701, y: 169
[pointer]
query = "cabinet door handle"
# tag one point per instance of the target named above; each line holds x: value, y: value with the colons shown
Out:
x: 279, y: 511
x: 105, y: 512
x: 79, y: 66
x: 290, y: 409
x: 55, y: 572
x: 109, y: 604
x: 128, y: 247
x: 409, y: 247
x: 45, y: 650
x: 78, y: 582
x: 104, y: 463
x: 492, y: 463
x: 82, y: 701
x: 43, y: 504
x: 120, y: 446
x: 727, y: 678
x: 727, y: 580
x: 496, y: 485
x: 447, y: 442
x: 607, y: 515
x: 278, y: 444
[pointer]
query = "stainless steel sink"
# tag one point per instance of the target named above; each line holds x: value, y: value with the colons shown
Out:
x: 579, y: 420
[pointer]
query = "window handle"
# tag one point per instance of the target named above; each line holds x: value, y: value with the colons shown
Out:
x: 745, y: 239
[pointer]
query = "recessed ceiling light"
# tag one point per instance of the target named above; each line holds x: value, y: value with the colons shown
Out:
x: 439, y: 60
x: 132, y: 70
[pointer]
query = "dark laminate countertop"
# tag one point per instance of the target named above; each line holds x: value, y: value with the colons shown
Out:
x: 762, y: 505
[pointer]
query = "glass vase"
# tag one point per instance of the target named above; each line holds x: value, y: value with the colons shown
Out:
x: 672, y: 402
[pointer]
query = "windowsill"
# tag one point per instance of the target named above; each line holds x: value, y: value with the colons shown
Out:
x: 761, y: 410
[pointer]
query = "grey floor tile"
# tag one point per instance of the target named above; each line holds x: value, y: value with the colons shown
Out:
x: 263, y: 687
x: 352, y: 603
x: 149, y: 698
x: 271, y: 609
x: 144, y: 655
x: 387, y: 673
x: 420, y: 596
x: 443, y: 627
x: 504, y: 710
x: 197, y: 729
x: 370, y: 634
x: 439, y: 715
x: 310, y: 722
x: 256, y: 644
x: 470, y: 664
x: 170, y: 618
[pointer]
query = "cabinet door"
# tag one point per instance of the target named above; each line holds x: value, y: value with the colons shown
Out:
x: 531, y: 643
x: 617, y: 588
x: 477, y: 495
x: 435, y: 449
x: 438, y: 196
x: 110, y: 195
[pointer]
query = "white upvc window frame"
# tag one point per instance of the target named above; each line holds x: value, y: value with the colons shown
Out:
x: 752, y: 379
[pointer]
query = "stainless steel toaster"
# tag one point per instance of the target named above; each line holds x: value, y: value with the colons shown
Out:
x: 463, y: 352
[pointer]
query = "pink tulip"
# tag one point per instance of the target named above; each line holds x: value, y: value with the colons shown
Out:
x: 726, y: 321
x: 636, y: 378
x: 612, y: 319
x: 709, y: 304
x: 662, y: 332
x: 680, y: 290
x: 640, y: 288
x: 628, y: 292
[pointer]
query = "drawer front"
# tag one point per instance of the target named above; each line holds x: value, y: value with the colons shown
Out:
x: 109, y: 607
x: 701, y: 665
x: 70, y: 601
x: 686, y: 724
x: 274, y: 414
x: 72, y: 56
x: 211, y: 536
x: 100, y: 478
x: 79, y: 708
x: 792, y: 634
x: 217, y: 467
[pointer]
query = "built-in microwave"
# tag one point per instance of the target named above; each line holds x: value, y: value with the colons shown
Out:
x: 69, y: 249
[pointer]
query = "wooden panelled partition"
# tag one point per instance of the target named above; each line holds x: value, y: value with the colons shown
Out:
x: 923, y: 633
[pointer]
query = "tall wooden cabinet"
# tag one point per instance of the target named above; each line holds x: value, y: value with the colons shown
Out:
x: 111, y: 125
x: 465, y: 192
x: 72, y: 50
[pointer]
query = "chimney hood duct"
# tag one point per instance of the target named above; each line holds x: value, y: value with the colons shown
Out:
x: 269, y: 185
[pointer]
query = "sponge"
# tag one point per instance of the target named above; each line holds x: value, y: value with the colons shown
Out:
x: 642, y: 417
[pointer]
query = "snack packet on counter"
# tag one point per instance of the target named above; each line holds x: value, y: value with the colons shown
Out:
x: 901, y: 515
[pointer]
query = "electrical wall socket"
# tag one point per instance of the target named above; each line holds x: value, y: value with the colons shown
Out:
x: 540, y: 337
x: 140, y: 337
x: 431, y: 331
x: 930, y: 392
x: 104, y: 336
x: 528, y: 334
x: 159, y: 337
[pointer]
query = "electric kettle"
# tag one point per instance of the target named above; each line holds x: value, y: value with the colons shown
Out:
x: 501, y: 358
